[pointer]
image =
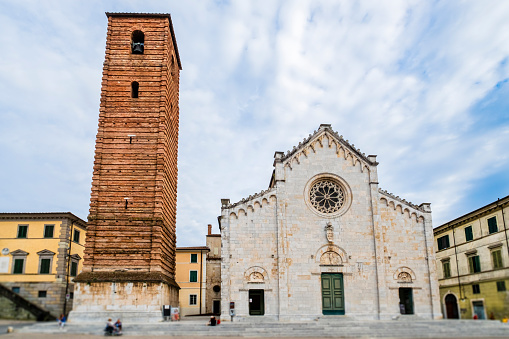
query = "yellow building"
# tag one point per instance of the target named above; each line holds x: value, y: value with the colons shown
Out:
x: 40, y: 255
x: 190, y: 275
x: 473, y: 263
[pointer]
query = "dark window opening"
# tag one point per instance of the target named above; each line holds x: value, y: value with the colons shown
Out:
x: 48, y: 231
x: 16, y: 289
x: 476, y: 289
x: 18, y: 266
x: 469, y: 234
x: 74, y: 268
x: 194, y: 258
x: 42, y: 294
x: 45, y: 266
x: 474, y: 263
x: 137, y: 42
x: 134, y: 89
x: 492, y: 225
x: 501, y: 286
x: 193, y: 276
x: 443, y: 242
x: 76, y: 237
x: 22, y: 231
x: 71, y: 295
x: 216, y: 288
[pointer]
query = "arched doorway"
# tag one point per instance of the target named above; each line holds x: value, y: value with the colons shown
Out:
x: 451, y: 307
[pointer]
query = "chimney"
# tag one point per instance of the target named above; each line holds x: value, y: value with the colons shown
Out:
x: 210, y: 229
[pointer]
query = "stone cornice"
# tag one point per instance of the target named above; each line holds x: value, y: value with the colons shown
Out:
x: 248, y: 199
x: 44, y: 216
x: 401, y: 200
x: 476, y: 214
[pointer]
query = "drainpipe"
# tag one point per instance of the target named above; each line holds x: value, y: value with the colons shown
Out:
x: 457, y: 265
x: 201, y: 275
x: 503, y: 222
x: 68, y: 269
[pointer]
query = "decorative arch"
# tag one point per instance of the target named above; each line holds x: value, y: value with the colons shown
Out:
x: 404, y: 275
x: 334, y: 250
x: 256, y: 274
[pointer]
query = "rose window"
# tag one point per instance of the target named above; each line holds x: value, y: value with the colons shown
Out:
x: 326, y: 196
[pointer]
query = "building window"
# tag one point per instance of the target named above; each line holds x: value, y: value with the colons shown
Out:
x: 192, y: 299
x: 193, y: 276
x: 501, y: 286
x: 76, y: 236
x: 19, y: 266
x: 22, y: 231
x: 45, y: 266
x: 74, y: 268
x: 48, y: 231
x: 137, y: 42
x: 216, y: 288
x: 496, y: 257
x: 492, y: 225
x: 474, y: 264
x: 443, y: 242
x: 42, y: 294
x: 71, y: 295
x: 135, y: 86
x: 476, y: 289
x: 16, y: 289
x: 194, y: 258
x: 468, y: 233
x: 446, y: 265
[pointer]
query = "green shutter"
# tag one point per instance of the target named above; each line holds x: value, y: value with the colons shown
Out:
x: 447, y: 269
x: 76, y: 237
x: 492, y: 225
x: 194, y: 258
x: 22, y: 231
x: 497, y: 259
x: 45, y: 266
x: 193, y: 276
x: 48, y: 231
x: 18, y: 266
x: 468, y: 233
x: 74, y: 269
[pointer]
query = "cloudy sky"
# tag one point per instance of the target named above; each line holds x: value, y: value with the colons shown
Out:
x: 422, y: 84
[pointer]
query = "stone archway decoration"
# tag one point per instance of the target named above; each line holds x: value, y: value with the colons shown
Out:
x: 404, y: 277
x: 331, y: 258
x: 256, y: 277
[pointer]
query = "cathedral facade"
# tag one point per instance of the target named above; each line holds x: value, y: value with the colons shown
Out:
x: 325, y: 240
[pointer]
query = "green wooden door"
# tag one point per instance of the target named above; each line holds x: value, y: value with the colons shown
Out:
x: 333, y: 301
x: 256, y: 302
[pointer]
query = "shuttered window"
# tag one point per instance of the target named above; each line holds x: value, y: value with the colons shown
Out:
x: 447, y: 269
x: 474, y: 264
x: 443, y: 242
x: 469, y: 234
x: 496, y: 256
x: 492, y: 225
x: 193, y: 276
x: 45, y: 266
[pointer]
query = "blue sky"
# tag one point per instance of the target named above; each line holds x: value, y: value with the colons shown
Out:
x: 422, y: 84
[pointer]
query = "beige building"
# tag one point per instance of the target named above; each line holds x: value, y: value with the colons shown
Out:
x: 324, y: 239
x: 41, y: 254
x: 190, y: 275
x: 472, y: 256
x: 213, y: 295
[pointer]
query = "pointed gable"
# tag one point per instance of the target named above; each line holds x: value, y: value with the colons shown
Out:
x: 325, y: 136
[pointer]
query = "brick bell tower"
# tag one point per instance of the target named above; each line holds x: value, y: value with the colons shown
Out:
x: 129, y: 264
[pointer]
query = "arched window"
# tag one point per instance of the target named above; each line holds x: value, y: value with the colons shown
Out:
x: 137, y: 42
x: 134, y: 89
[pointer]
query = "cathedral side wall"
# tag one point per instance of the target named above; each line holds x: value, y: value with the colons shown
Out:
x: 251, y: 260
x: 405, y: 252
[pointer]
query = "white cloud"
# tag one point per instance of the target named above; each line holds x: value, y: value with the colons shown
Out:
x: 397, y: 78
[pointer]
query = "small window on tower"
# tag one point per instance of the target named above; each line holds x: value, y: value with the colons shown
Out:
x: 137, y: 42
x: 134, y: 89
